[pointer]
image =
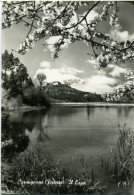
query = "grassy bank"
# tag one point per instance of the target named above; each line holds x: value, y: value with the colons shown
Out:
x: 24, y: 107
x: 33, y: 171
x: 37, y: 174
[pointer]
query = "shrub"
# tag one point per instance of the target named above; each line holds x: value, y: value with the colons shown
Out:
x: 35, y: 172
x: 34, y: 97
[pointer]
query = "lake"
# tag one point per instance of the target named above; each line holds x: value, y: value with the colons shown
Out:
x: 77, y: 137
x: 66, y: 131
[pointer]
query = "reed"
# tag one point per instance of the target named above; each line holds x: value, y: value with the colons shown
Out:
x: 117, y: 171
x: 123, y: 162
x: 32, y: 172
x: 119, y: 165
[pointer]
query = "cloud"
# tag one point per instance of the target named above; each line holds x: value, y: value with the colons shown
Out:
x: 117, y: 70
x: 54, y: 39
x: 111, y: 70
x: 92, y: 16
x: 45, y: 50
x: 45, y: 64
x: 70, y: 70
x: 98, y: 83
x: 119, y: 35
x: 74, y: 18
x: 101, y: 81
x: 93, y: 62
x: 63, y: 74
x: 97, y: 69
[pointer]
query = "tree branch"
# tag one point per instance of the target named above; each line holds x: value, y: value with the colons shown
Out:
x: 59, y: 15
x: 31, y: 23
x: 124, y: 49
x: 91, y: 42
x: 83, y: 17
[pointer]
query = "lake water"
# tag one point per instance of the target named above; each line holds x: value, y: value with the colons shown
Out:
x: 68, y: 131
x: 75, y: 136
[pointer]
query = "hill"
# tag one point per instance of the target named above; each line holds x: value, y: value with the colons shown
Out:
x: 58, y: 92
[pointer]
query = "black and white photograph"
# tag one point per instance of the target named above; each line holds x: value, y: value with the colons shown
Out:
x: 67, y: 97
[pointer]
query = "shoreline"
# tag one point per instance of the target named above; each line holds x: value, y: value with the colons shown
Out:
x: 70, y: 104
x: 25, y: 108
x: 92, y: 104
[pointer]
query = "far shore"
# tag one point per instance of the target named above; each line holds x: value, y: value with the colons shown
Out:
x: 25, y: 108
x: 97, y: 104
x: 71, y: 104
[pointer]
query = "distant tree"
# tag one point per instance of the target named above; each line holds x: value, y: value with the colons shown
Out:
x: 86, y: 97
x: 31, y: 96
x: 41, y: 77
x: 24, y: 81
x: 35, y: 97
x: 16, y: 79
x: 9, y: 62
x: 18, y: 85
x: 67, y: 83
x: 12, y: 86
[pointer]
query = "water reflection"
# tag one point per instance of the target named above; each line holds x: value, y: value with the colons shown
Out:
x: 124, y: 111
x: 29, y: 120
x: 42, y: 124
x: 14, y: 132
x: 37, y: 120
x: 90, y: 111
x: 13, y: 138
x: 65, y: 130
x: 63, y: 111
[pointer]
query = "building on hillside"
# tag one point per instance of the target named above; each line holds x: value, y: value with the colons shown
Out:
x: 56, y: 83
x: 44, y: 84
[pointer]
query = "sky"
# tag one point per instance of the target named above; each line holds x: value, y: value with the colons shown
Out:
x: 73, y: 63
